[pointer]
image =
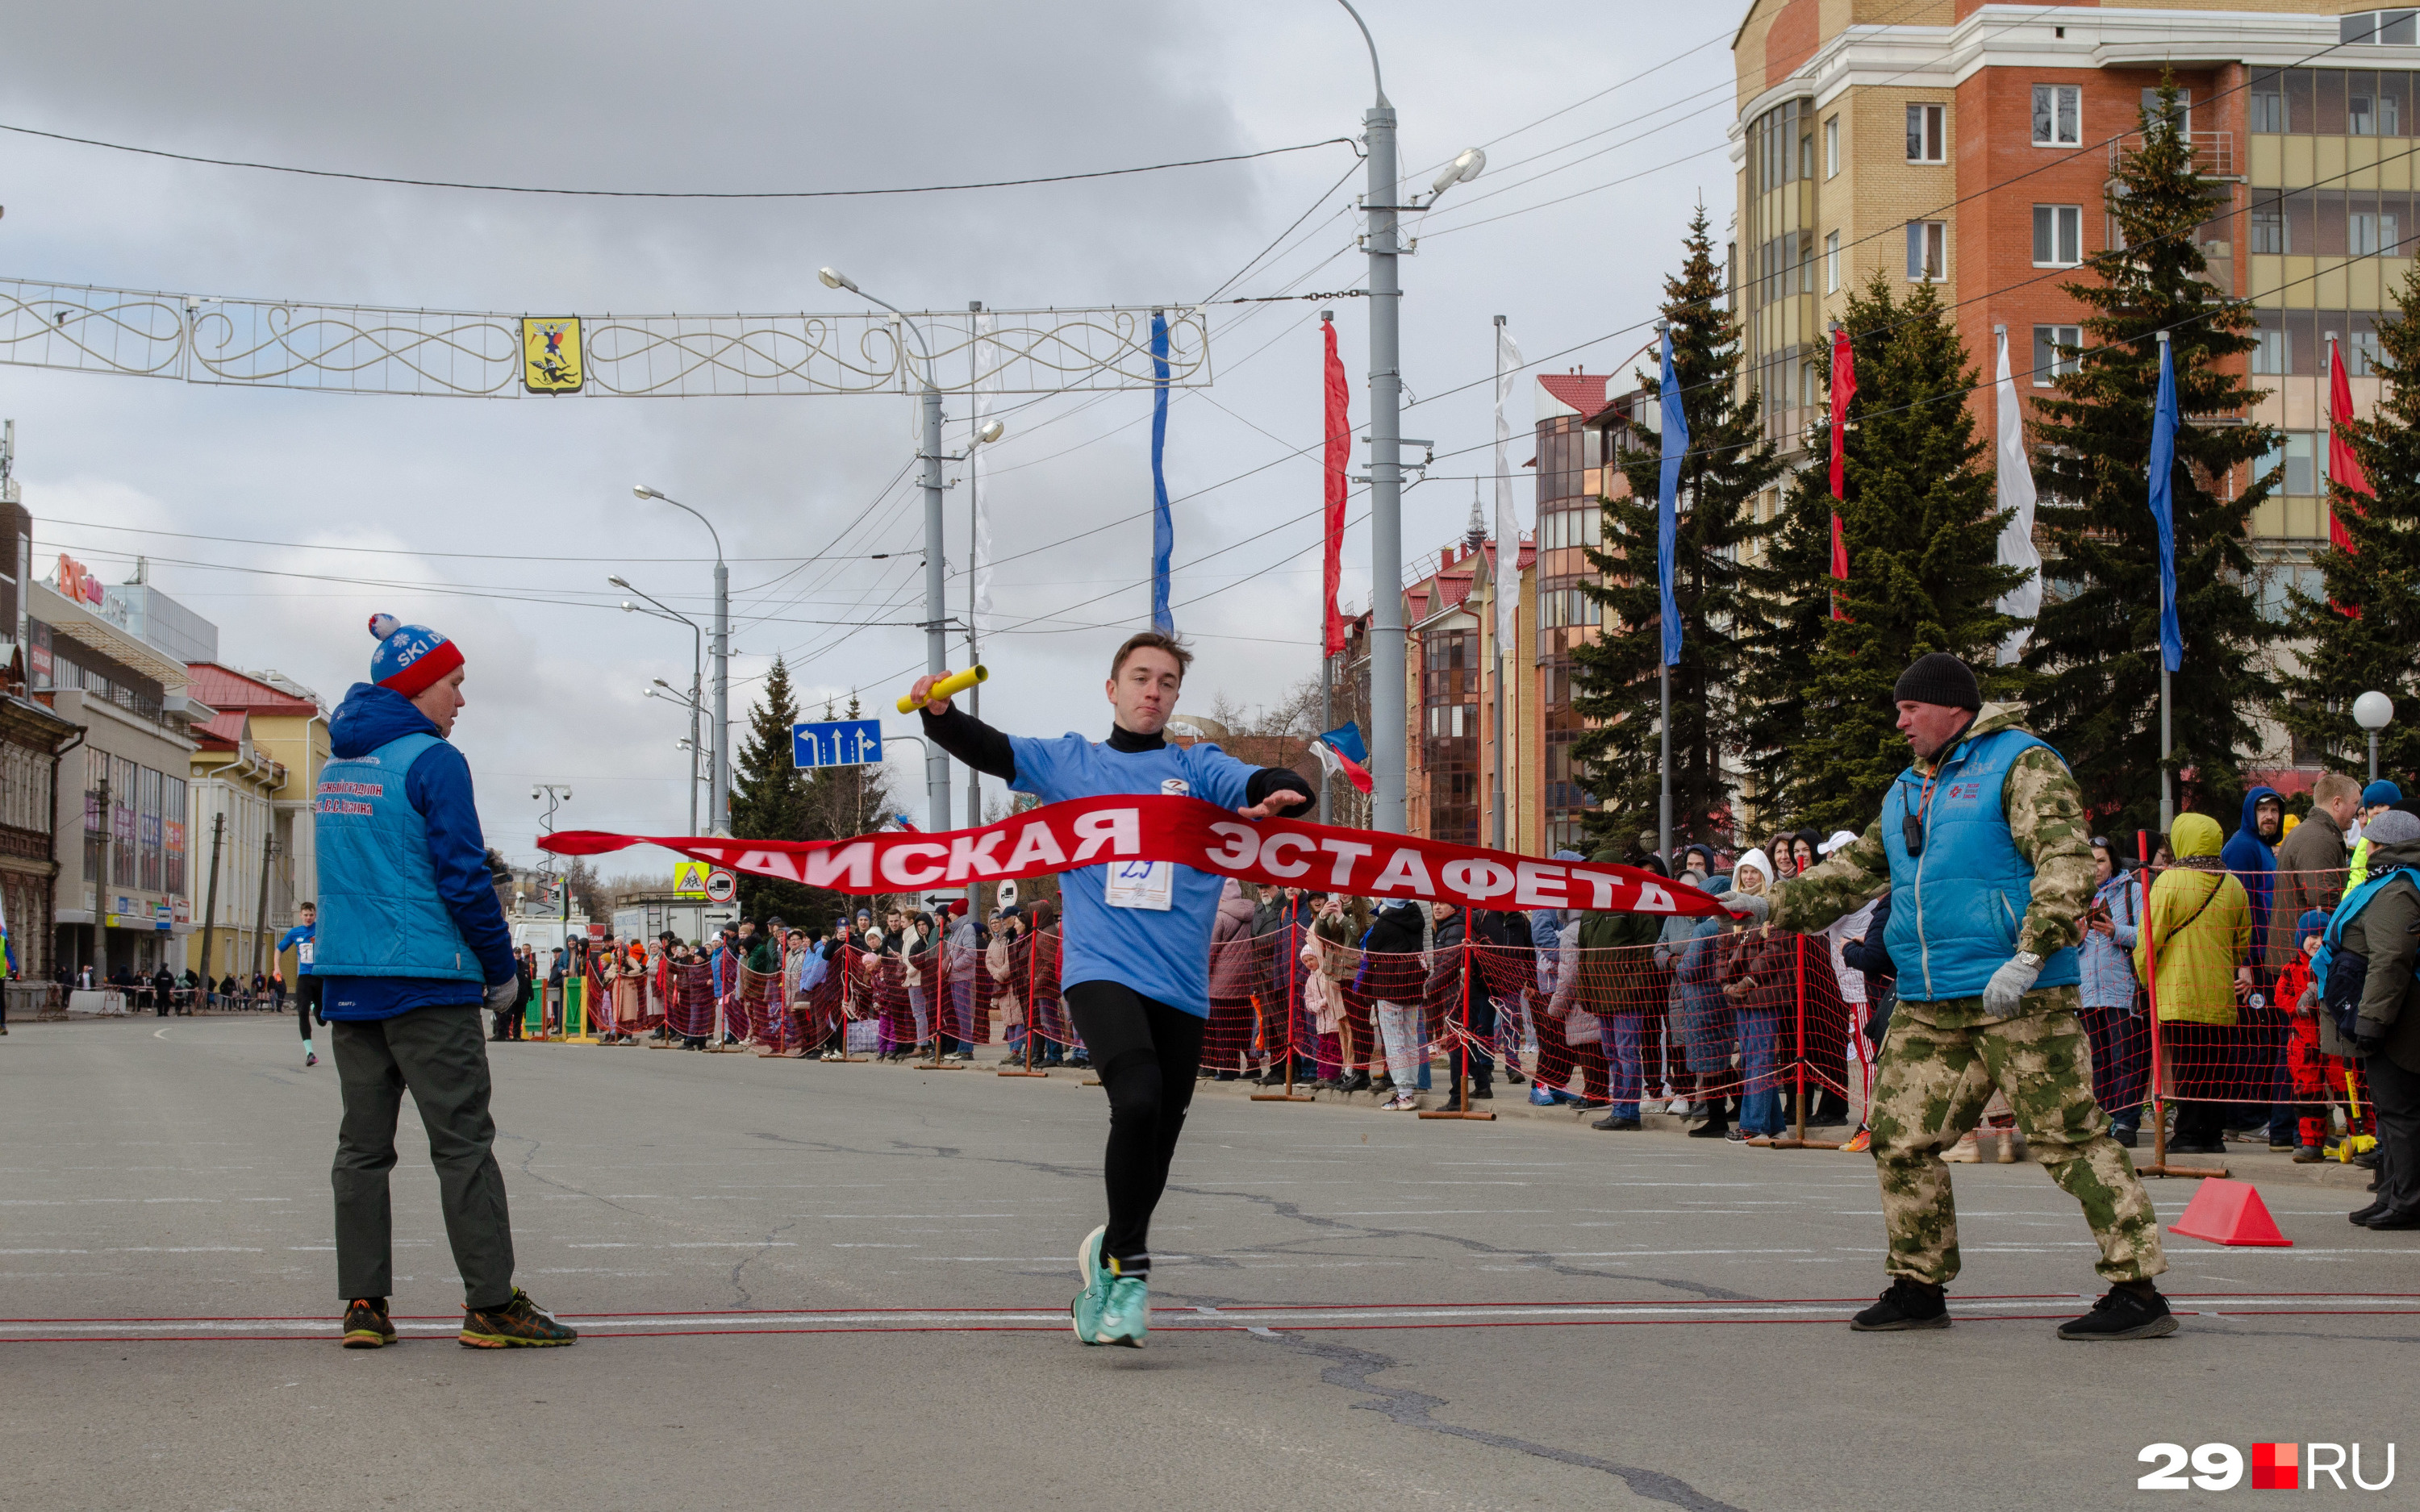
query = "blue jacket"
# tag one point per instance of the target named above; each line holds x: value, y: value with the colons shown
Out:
x: 1958, y: 908
x: 408, y: 912
x: 2109, y: 963
x: 2253, y: 863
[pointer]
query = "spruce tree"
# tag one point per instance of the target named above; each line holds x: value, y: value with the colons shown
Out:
x: 1920, y: 519
x: 2358, y: 633
x: 2097, y: 642
x: 1615, y: 678
x: 767, y: 800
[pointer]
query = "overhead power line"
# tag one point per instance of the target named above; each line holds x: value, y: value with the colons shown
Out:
x: 666, y: 194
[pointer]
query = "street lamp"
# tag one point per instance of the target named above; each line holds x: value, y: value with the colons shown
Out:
x: 719, y: 784
x: 1387, y: 710
x: 2373, y: 711
x: 937, y: 651
x: 697, y: 673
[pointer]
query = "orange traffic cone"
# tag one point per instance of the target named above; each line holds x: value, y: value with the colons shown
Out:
x: 2229, y: 1212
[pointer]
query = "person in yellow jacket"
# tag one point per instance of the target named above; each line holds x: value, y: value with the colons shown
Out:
x: 2194, y: 947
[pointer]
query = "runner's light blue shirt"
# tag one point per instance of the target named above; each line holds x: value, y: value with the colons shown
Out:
x: 1163, y: 953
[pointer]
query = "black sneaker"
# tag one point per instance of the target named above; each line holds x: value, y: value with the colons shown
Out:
x: 1907, y: 1305
x: 1614, y: 1125
x: 2123, y: 1314
x: 2125, y: 1135
x: 2360, y: 1217
x: 366, y: 1324
x: 516, y: 1325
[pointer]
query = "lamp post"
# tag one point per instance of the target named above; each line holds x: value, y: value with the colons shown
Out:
x: 937, y: 651
x: 2373, y: 711
x: 697, y: 674
x: 556, y: 794
x: 719, y: 783
x: 936, y: 647
x: 1388, y: 731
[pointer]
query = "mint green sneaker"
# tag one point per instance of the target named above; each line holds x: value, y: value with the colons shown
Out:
x: 1084, y: 1312
x: 1127, y: 1317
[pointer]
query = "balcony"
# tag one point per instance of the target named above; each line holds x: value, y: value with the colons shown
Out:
x: 2214, y: 152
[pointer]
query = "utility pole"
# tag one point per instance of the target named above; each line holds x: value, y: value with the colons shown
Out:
x: 210, y: 907
x: 1388, y: 730
x: 718, y: 789
x: 260, y: 911
x: 975, y: 550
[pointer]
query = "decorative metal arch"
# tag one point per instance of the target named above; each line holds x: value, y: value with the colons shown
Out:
x: 349, y: 348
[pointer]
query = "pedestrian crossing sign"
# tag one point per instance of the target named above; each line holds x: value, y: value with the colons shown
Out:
x: 550, y: 354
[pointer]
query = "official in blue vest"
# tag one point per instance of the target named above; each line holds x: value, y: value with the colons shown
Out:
x: 1984, y: 849
x: 411, y: 945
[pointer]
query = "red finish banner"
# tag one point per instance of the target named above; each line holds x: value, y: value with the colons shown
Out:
x: 1150, y: 828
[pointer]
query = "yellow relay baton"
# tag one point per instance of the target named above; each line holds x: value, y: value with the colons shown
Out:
x: 950, y: 687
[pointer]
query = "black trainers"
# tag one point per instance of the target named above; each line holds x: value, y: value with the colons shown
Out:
x: 2123, y: 1314
x: 366, y: 1324
x: 517, y: 1325
x: 1612, y: 1123
x: 1907, y: 1305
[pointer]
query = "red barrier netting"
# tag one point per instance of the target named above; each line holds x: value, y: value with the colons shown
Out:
x: 1713, y: 1012
x: 2223, y: 1018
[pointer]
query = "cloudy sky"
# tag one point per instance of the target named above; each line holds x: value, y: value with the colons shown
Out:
x: 287, y: 508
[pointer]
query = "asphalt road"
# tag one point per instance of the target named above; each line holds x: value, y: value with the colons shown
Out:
x: 844, y: 1287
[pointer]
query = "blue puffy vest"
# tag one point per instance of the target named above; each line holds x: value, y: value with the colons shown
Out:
x: 1957, y: 909
x: 380, y: 912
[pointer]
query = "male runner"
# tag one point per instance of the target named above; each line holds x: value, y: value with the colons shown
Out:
x: 302, y: 939
x: 1136, y: 978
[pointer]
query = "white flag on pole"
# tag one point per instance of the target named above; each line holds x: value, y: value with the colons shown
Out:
x: 1508, y: 518
x: 986, y: 366
x: 2016, y: 495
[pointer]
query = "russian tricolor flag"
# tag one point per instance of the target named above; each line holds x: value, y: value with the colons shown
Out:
x: 1340, y: 751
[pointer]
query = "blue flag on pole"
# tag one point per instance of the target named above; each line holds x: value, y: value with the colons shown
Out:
x: 1163, y: 525
x: 2164, y: 465
x: 1676, y: 445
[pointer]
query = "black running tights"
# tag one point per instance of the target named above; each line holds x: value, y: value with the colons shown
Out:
x: 1146, y: 1054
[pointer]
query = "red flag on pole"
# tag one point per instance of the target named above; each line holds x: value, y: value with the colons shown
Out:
x: 1339, y: 459
x: 1844, y: 386
x: 2343, y: 466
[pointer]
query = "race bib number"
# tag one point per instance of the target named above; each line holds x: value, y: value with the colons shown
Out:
x: 1142, y: 885
x: 303, y: 952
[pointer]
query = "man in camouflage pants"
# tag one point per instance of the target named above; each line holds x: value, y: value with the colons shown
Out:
x: 1983, y: 845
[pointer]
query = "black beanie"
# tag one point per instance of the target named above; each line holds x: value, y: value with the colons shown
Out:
x: 1938, y: 677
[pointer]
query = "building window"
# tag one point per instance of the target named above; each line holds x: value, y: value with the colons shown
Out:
x: 1807, y: 155
x: 2183, y: 112
x: 2304, y: 463
x: 2388, y: 29
x: 2272, y: 356
x: 2372, y: 233
x: 2058, y: 115
x: 1806, y: 263
x: 2058, y: 235
x: 2055, y: 348
x: 2362, y: 353
x: 1925, y: 134
x: 1927, y: 251
x: 1832, y: 262
x: 2268, y: 226
x: 2268, y: 104
x: 1832, y: 147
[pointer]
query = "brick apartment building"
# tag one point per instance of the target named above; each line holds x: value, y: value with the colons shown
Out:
x: 1970, y: 145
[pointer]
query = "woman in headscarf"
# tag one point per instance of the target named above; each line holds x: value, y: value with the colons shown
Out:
x: 1754, y: 969
x: 1232, y: 962
x: 2192, y: 946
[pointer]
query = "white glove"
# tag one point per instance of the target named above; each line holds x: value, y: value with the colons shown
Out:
x: 504, y: 995
x: 2007, y: 986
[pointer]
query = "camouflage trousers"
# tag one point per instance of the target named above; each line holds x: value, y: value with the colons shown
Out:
x: 1938, y: 1068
